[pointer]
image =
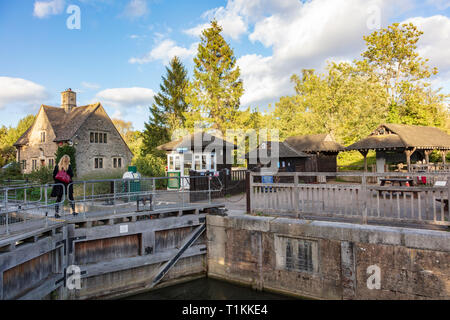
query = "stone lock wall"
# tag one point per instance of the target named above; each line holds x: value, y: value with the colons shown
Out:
x: 327, y: 260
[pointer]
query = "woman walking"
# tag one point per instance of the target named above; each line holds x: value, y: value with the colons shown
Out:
x: 63, y: 174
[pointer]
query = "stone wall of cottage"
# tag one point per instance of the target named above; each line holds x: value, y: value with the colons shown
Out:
x: 41, y: 152
x: 86, y: 152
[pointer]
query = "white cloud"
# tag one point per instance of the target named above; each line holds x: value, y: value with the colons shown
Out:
x: 126, y: 97
x: 136, y: 8
x: 301, y: 36
x: 17, y: 90
x: 434, y: 44
x: 43, y: 9
x: 165, y: 51
x: 89, y: 85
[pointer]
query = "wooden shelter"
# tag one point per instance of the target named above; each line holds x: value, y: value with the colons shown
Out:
x: 322, y: 149
x: 285, y: 158
x: 394, y: 142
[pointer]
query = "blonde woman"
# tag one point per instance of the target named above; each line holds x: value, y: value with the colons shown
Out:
x: 62, y: 169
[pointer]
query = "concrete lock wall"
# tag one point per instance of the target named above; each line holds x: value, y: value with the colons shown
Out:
x: 329, y: 260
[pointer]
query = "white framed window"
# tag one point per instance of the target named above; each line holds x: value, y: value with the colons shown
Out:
x: 205, y: 162
x: 197, y: 162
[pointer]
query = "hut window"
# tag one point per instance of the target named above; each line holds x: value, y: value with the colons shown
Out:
x: 177, y: 163
x: 171, y: 166
x: 24, y: 164
x: 197, y: 163
x: 51, y: 162
x: 204, y: 162
x: 96, y: 137
x: 33, y: 164
x: 105, y: 139
x: 100, y: 138
x: 92, y: 137
x: 43, y: 136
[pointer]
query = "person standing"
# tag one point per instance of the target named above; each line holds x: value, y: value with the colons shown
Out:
x: 63, y: 174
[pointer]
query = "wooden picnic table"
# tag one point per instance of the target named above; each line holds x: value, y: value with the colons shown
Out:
x: 396, y: 180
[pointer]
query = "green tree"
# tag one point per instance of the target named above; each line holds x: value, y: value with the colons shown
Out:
x: 216, y: 88
x: 8, y: 136
x: 392, y: 55
x: 345, y: 100
x: 168, y: 112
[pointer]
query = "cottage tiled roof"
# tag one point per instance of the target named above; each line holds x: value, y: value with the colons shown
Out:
x: 65, y: 125
x: 397, y: 136
x: 188, y: 142
x: 315, y: 143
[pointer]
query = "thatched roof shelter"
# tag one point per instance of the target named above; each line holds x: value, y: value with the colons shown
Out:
x: 401, y: 136
x: 404, y: 138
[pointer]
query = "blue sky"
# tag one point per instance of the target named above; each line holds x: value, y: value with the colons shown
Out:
x: 118, y: 55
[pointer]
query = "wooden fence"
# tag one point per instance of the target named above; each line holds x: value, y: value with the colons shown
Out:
x: 362, y: 201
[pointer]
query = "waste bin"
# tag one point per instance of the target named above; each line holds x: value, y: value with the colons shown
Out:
x: 174, y: 183
x: 131, y: 183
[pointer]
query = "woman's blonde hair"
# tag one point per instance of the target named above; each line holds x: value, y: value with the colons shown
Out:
x: 64, y: 163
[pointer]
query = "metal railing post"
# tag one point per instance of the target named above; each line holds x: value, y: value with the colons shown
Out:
x: 6, y: 208
x: 209, y: 189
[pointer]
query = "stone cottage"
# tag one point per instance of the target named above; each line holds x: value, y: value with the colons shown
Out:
x: 99, y: 146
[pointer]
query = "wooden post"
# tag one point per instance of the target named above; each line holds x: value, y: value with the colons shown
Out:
x: 408, y: 157
x: 248, y: 190
x: 444, y: 156
x: 365, y: 196
x: 364, y: 153
x: 427, y: 155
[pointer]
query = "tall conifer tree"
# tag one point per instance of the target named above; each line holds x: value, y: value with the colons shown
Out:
x: 167, y: 113
x: 217, y: 87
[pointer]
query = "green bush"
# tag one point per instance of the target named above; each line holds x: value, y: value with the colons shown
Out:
x: 13, y: 172
x: 150, y: 166
x: 43, y: 175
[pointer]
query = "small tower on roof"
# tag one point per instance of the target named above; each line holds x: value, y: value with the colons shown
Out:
x: 68, y: 100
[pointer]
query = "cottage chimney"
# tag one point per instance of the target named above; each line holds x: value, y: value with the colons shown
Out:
x: 68, y: 100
